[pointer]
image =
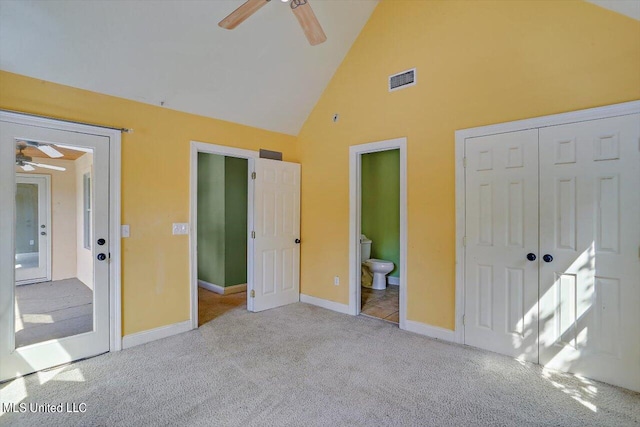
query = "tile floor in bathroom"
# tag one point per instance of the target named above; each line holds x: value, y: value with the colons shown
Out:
x: 383, y: 304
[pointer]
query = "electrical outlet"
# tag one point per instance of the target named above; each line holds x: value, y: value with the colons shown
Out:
x: 336, y: 280
x: 124, y: 231
x: 180, y: 228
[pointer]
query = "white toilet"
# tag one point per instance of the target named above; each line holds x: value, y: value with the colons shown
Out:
x: 379, y: 267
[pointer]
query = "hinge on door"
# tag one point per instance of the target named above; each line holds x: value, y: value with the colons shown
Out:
x: 253, y: 175
x: 253, y: 234
x: 464, y: 162
x: 464, y: 318
x: 252, y: 294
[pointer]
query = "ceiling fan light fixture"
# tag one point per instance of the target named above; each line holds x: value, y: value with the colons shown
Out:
x: 27, y: 168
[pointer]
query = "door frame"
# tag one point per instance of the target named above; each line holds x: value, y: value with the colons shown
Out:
x: 115, y: 286
x: 622, y: 109
x: 221, y: 150
x: 355, y: 196
x: 48, y: 201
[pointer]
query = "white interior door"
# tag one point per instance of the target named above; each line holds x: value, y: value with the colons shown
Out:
x: 32, y: 334
x: 32, y: 241
x: 590, y: 227
x: 276, y: 248
x: 501, y: 230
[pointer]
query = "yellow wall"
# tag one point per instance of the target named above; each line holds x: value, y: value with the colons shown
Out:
x: 478, y: 63
x: 155, y: 185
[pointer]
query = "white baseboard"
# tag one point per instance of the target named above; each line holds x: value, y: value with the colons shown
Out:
x: 144, y: 337
x: 431, y: 331
x: 211, y: 287
x: 222, y: 290
x: 329, y: 305
x: 395, y: 281
x: 234, y: 289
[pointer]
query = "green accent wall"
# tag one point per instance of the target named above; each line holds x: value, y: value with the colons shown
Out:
x: 235, y: 200
x: 222, y: 219
x: 211, y: 220
x: 380, y: 183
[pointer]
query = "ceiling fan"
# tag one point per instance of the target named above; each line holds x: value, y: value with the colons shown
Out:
x: 26, y: 162
x: 301, y: 9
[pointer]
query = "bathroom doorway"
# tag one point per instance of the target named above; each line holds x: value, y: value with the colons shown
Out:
x: 378, y: 230
x: 380, y: 234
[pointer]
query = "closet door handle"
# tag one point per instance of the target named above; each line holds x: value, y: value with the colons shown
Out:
x: 547, y: 258
x: 531, y: 256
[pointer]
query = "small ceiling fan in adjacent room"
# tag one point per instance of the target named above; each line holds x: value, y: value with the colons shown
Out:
x: 25, y: 161
x: 301, y: 9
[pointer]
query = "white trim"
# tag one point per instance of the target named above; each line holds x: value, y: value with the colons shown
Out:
x: 115, y: 294
x: 324, y: 303
x: 222, y: 290
x: 203, y: 147
x: 625, y: 108
x: 355, y: 154
x: 211, y: 287
x: 393, y: 281
x: 431, y: 331
x: 144, y: 337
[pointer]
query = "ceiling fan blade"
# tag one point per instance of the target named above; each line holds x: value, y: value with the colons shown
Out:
x: 42, y: 165
x: 238, y: 16
x: 75, y: 148
x: 308, y: 21
x: 27, y: 168
x: 49, y: 151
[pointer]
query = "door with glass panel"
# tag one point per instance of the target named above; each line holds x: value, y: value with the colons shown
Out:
x: 32, y: 228
x: 54, y: 247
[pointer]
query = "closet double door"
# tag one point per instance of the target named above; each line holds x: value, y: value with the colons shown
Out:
x: 552, y: 256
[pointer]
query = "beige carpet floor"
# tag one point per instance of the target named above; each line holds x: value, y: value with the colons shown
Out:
x: 301, y: 365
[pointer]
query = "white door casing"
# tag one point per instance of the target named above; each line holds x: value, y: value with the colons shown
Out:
x: 502, y: 229
x: 590, y: 226
x: 41, y: 272
x: 276, y: 255
x: 16, y: 362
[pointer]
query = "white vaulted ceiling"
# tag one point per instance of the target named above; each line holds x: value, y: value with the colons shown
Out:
x: 263, y: 73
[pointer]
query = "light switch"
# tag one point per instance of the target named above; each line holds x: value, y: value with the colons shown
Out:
x: 180, y: 228
x: 124, y: 231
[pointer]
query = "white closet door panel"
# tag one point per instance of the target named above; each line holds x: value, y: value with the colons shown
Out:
x: 590, y: 225
x: 502, y: 228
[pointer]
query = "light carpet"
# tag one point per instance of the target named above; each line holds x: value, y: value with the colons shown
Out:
x: 302, y: 365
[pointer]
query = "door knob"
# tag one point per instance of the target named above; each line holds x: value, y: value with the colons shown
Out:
x: 531, y: 256
x: 297, y: 240
x: 547, y: 258
x: 101, y: 242
x: 102, y: 257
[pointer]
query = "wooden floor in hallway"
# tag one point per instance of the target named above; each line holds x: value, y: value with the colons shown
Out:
x: 383, y: 304
x: 212, y: 305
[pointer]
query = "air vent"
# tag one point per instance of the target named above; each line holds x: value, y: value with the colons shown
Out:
x: 402, y: 80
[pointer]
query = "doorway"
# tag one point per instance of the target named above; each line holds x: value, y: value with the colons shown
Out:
x: 272, y: 230
x: 57, y: 257
x: 378, y: 207
x: 380, y: 237
x: 221, y: 234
